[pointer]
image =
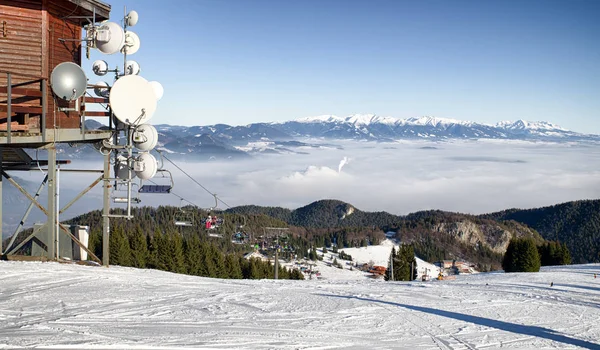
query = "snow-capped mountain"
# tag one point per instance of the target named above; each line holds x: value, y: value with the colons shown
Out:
x: 378, y: 128
x: 224, y: 141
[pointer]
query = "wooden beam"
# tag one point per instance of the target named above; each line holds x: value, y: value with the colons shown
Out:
x: 95, y: 100
x: 22, y: 109
x: 21, y: 91
x: 96, y: 114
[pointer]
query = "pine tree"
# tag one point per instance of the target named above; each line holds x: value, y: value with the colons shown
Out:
x: 232, y: 267
x: 390, y: 268
x: 192, y: 253
x: 120, y: 253
x: 521, y: 256
x: 139, y: 248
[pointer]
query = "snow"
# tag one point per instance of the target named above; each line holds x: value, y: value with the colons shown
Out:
x: 69, y: 306
x: 369, y: 119
x: 527, y: 125
x: 377, y: 255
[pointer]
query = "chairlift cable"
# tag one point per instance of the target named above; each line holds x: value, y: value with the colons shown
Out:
x: 198, y: 183
x: 178, y: 196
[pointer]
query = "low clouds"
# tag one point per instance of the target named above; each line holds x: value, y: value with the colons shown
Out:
x: 402, y: 177
x: 464, y: 176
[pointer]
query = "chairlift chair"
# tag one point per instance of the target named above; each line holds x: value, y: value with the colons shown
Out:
x: 184, y: 218
x: 240, y: 236
x: 159, y: 188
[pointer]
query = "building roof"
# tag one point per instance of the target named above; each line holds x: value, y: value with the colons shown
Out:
x: 102, y: 9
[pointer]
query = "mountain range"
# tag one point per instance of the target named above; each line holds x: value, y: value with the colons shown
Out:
x: 224, y: 141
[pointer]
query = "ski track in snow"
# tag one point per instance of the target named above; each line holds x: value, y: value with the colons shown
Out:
x: 51, y: 305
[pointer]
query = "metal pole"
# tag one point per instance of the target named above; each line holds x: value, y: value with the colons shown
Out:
x: 51, y: 212
x: 8, y: 107
x: 276, y: 256
x: 392, y: 266
x: 57, y: 208
x: 106, y: 211
x: 44, y: 107
x: 129, y: 164
x: 1, y: 197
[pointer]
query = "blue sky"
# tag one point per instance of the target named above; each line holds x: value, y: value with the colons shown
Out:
x: 238, y: 62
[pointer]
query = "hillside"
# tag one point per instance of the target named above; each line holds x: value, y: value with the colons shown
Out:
x: 575, y: 223
x: 436, y: 235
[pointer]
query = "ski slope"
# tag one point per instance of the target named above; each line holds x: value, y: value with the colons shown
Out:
x: 52, y: 305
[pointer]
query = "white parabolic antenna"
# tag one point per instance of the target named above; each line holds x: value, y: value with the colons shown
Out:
x: 101, y: 89
x: 132, y: 18
x: 100, y: 67
x: 110, y: 38
x: 68, y: 81
x: 132, y: 68
x: 132, y: 43
x: 145, y: 137
x: 158, y: 89
x: 145, y: 166
x: 132, y: 100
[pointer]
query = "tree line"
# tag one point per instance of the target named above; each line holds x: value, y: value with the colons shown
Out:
x: 524, y: 255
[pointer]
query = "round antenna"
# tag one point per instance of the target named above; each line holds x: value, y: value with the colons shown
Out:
x: 132, y: 18
x: 132, y: 100
x: 100, y: 67
x: 68, y: 81
x: 110, y: 38
x: 158, y: 89
x: 145, y: 166
x: 101, y: 89
x: 132, y: 68
x: 145, y: 137
x: 132, y: 43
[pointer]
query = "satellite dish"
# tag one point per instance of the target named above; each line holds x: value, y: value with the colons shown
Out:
x: 145, y: 137
x: 110, y: 38
x: 122, y: 169
x: 132, y: 68
x: 100, y: 67
x: 132, y: 100
x: 145, y: 166
x: 68, y: 81
x: 132, y: 18
x: 158, y: 89
x: 101, y: 89
x: 132, y: 43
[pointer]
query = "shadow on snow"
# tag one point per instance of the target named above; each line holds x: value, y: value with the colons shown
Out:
x: 501, y: 325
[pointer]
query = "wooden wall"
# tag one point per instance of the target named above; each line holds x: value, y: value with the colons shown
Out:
x: 30, y: 49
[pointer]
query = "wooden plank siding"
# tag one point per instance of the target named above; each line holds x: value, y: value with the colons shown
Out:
x: 31, y: 49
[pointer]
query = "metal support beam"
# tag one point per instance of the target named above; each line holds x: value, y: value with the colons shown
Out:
x: 14, y: 183
x: 106, y: 211
x: 27, y: 239
x: 78, y: 242
x: 20, y: 227
x: 44, y: 108
x: 51, y: 213
x: 86, y: 190
x: 1, y: 196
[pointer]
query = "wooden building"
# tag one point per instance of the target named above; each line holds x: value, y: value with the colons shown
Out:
x: 36, y: 36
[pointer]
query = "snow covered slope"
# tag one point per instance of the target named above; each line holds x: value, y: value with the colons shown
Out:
x: 50, y: 305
